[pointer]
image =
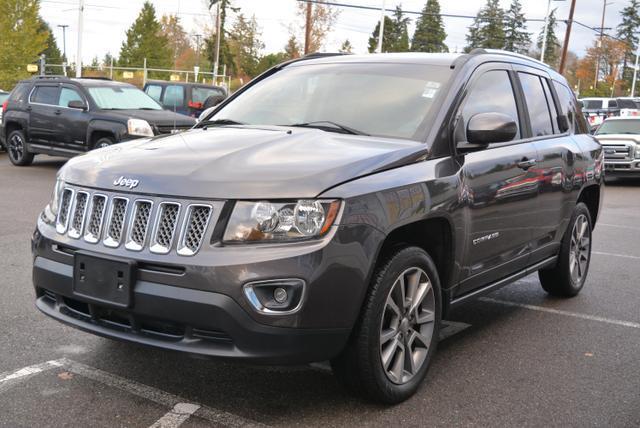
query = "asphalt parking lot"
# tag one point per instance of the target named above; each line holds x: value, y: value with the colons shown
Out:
x: 514, y: 358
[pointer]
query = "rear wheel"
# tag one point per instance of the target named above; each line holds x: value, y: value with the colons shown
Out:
x: 567, y: 278
x: 393, y: 342
x: 17, y: 149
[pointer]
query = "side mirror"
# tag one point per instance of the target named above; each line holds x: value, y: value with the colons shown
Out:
x: 205, y: 113
x: 213, y: 101
x: 486, y: 128
x: 77, y: 104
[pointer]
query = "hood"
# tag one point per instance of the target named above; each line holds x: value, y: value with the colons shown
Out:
x: 155, y: 117
x: 618, y: 138
x: 240, y: 162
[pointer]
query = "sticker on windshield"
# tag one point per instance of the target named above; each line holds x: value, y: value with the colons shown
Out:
x: 430, y: 89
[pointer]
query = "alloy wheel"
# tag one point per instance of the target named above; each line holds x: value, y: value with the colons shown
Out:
x: 580, y: 249
x: 407, y: 325
x: 16, y: 147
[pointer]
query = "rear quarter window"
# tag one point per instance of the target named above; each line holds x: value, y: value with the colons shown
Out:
x: 154, y: 91
x: 19, y: 93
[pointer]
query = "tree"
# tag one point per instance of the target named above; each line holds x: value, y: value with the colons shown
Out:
x: 399, y: 32
x: 52, y: 53
x: 292, y: 48
x: 177, y: 38
x: 346, y: 47
x: 108, y: 58
x: 487, y: 30
x: 387, y: 42
x: 21, y: 40
x: 516, y: 37
x: 145, y: 40
x: 270, y: 60
x: 611, y: 54
x: 322, y: 19
x: 430, y: 34
x: 210, y: 42
x: 629, y: 32
x: 245, y: 44
x: 552, y: 45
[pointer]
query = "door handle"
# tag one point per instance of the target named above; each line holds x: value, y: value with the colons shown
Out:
x: 29, y: 108
x: 57, y: 112
x: 526, y: 163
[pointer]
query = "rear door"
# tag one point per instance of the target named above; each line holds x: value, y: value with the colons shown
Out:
x: 43, y: 113
x: 174, y: 99
x: 502, y: 190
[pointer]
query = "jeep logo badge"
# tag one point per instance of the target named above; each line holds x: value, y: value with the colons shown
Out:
x: 126, y: 182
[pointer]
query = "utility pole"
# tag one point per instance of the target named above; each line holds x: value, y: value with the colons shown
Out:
x: 567, y: 35
x: 307, y: 28
x: 198, y: 38
x: 216, y: 61
x: 64, y: 48
x: 80, y: 27
x: 604, y: 10
x: 381, y: 32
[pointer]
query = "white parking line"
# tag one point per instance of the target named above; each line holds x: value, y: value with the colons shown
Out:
x: 10, y: 378
x: 625, y: 256
x: 177, y: 416
x: 565, y: 313
x: 617, y: 226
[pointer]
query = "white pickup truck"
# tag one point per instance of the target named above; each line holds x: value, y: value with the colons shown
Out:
x: 620, y: 139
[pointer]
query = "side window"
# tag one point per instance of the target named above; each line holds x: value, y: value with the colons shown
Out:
x: 45, y: 95
x: 552, y: 105
x: 613, y: 104
x: 154, y: 91
x: 67, y: 95
x: 567, y: 104
x: 492, y: 92
x: 173, y: 96
x: 537, y: 104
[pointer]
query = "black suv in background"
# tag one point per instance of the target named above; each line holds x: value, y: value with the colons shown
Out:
x: 189, y: 99
x: 60, y: 116
x: 335, y: 208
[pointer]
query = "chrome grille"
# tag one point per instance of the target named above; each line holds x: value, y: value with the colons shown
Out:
x: 617, y: 151
x: 96, y: 215
x: 116, y: 222
x: 63, y: 211
x: 196, y: 223
x: 139, y: 225
x: 167, y: 220
x: 79, y: 211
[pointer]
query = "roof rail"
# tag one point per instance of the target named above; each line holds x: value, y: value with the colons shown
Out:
x: 51, y: 76
x: 96, y: 78
x: 323, y: 55
x: 480, y: 51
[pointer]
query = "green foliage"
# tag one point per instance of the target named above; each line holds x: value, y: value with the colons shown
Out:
x: 396, y: 33
x: 52, y: 53
x: 245, y: 45
x: 487, y: 30
x: 629, y: 31
x: 551, y: 49
x: 346, y: 47
x: 21, y: 40
x: 226, y: 57
x: 430, y: 34
x: 270, y: 60
x: 145, y: 40
x: 292, y: 49
x: 516, y: 37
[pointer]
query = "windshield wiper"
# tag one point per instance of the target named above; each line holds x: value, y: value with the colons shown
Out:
x: 327, y: 125
x: 221, y: 122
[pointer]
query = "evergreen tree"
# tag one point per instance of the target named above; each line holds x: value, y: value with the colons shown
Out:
x: 245, y: 44
x: 487, y: 30
x: 516, y: 37
x: 387, y: 42
x: 399, y: 33
x: 346, y: 47
x: 629, y: 32
x: 552, y: 45
x: 52, y: 52
x: 21, y: 40
x: 145, y: 40
x: 430, y: 34
x: 292, y: 48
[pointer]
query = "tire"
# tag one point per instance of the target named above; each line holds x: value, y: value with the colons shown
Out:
x: 19, y: 155
x: 361, y: 366
x: 567, y: 278
x: 103, y: 142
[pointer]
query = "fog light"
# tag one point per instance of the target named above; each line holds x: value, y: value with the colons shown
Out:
x: 280, y: 295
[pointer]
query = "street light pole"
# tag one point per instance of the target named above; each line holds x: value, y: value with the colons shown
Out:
x: 546, y: 31
x: 79, y: 51
x: 381, y: 32
x: 64, y: 48
x: 635, y: 72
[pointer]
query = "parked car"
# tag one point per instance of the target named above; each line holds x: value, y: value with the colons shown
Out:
x: 65, y: 117
x: 598, y: 109
x: 3, y: 97
x: 620, y: 139
x: 325, y: 212
x: 629, y: 106
x: 190, y: 99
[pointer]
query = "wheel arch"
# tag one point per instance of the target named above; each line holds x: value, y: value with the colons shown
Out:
x: 590, y: 196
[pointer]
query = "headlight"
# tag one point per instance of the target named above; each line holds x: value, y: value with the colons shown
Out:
x: 139, y: 127
x: 51, y: 210
x: 280, y: 221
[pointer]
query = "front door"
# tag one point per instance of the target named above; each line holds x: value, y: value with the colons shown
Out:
x: 71, y: 132
x: 500, y: 185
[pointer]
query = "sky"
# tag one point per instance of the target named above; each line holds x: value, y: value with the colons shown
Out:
x: 105, y: 22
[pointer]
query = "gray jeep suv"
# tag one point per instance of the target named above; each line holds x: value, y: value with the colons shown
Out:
x: 336, y: 208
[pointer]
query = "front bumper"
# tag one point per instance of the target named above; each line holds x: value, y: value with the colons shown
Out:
x: 622, y: 168
x: 203, y: 310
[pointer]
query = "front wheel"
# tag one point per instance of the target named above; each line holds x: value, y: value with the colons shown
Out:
x: 396, y: 336
x: 567, y: 278
x: 104, y: 142
x: 17, y: 149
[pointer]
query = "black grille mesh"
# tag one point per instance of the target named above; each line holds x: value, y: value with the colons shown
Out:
x: 196, y: 227
x: 64, y: 206
x: 167, y: 224
x: 140, y: 222
x: 95, y: 220
x: 78, y: 213
x: 117, y: 219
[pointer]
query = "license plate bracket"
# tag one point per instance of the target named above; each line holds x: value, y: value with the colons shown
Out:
x: 105, y: 280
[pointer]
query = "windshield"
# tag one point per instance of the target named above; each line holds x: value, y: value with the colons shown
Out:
x: 627, y: 103
x: 389, y: 100
x: 626, y: 126
x: 592, y: 104
x: 122, y: 98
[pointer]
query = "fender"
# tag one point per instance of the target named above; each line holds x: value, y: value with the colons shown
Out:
x: 118, y: 129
